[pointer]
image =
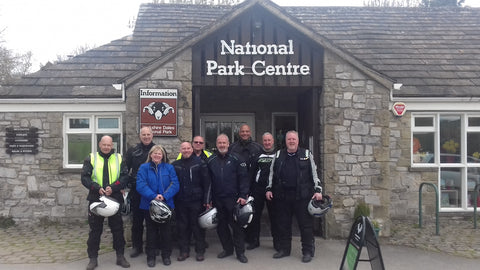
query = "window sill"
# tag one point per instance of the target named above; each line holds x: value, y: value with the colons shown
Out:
x: 423, y: 169
x: 70, y: 170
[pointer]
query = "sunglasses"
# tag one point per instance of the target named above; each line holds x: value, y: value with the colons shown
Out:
x: 198, y: 142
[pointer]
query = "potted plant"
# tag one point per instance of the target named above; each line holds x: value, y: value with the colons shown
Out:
x: 362, y: 209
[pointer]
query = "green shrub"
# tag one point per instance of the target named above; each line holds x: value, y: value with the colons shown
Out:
x: 361, y: 209
x: 6, y: 222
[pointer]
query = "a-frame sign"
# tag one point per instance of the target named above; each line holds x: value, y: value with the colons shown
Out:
x: 362, y: 234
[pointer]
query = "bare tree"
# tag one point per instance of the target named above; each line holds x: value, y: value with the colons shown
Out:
x: 13, y: 65
x: 77, y: 51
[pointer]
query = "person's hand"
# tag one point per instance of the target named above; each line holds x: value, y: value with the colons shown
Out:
x: 269, y: 195
x: 108, y: 191
x: 208, y: 206
x: 159, y: 197
x: 101, y: 191
x: 317, y: 196
x: 242, y: 201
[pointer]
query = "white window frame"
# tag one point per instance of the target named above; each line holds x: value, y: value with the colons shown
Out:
x: 463, y: 165
x: 93, y: 130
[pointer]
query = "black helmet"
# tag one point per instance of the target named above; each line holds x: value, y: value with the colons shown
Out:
x: 318, y: 208
x: 208, y: 219
x: 159, y: 211
x: 243, y: 214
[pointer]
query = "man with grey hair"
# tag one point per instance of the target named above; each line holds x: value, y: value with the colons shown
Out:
x: 259, y: 181
x: 135, y: 157
x: 104, y: 174
x: 230, y: 185
x: 293, y: 182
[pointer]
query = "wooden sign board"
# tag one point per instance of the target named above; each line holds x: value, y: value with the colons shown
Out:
x: 21, y: 140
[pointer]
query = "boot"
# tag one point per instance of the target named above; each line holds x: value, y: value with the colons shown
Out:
x: 92, y: 264
x: 136, y: 252
x: 122, y: 261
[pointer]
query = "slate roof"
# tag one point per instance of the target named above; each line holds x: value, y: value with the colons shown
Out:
x: 432, y: 52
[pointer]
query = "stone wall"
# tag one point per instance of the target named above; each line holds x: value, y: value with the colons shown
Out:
x: 406, y: 180
x: 175, y: 74
x: 355, y: 122
x: 34, y: 186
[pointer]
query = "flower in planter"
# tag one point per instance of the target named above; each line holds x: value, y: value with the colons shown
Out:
x: 375, y: 224
x: 450, y: 146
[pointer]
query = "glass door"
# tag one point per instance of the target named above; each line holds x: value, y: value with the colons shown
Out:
x: 211, y: 125
x: 281, y: 124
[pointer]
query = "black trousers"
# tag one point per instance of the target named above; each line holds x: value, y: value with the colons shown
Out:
x: 253, y: 230
x: 230, y: 233
x: 137, y: 219
x: 95, y: 222
x: 187, y: 224
x: 286, y: 206
x: 158, y: 235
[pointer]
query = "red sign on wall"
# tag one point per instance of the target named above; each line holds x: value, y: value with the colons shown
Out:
x: 399, y: 108
x: 158, y: 109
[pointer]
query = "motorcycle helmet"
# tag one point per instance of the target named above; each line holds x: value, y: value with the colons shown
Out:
x: 159, y: 211
x: 243, y: 214
x: 106, y: 207
x: 318, y: 208
x: 208, y: 219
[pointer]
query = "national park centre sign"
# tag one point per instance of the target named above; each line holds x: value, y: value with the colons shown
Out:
x: 259, y: 66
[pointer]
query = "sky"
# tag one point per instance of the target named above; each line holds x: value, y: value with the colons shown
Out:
x: 49, y: 28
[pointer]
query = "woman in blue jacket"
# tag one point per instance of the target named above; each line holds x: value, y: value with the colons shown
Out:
x: 157, y: 180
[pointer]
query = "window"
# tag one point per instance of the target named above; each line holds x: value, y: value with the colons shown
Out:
x: 451, y: 143
x: 423, y: 140
x: 211, y: 125
x: 82, y: 132
x: 281, y: 124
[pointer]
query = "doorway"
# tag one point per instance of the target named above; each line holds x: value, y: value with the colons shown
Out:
x: 211, y: 125
x: 281, y: 124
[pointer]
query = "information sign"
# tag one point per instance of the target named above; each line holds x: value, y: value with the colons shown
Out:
x: 159, y: 111
x: 21, y: 140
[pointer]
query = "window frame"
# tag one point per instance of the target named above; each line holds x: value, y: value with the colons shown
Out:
x: 464, y: 166
x: 92, y: 130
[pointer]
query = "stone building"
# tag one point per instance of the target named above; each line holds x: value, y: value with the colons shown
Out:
x: 386, y: 98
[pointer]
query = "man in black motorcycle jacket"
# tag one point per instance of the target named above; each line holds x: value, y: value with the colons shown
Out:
x: 293, y: 182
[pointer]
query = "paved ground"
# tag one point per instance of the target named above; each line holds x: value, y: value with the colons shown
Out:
x: 63, y: 246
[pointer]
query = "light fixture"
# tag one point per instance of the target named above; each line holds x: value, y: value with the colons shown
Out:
x: 397, y: 86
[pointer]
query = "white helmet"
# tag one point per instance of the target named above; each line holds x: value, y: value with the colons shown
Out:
x: 208, y: 219
x: 243, y: 214
x: 320, y: 207
x: 159, y: 211
x: 106, y: 207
